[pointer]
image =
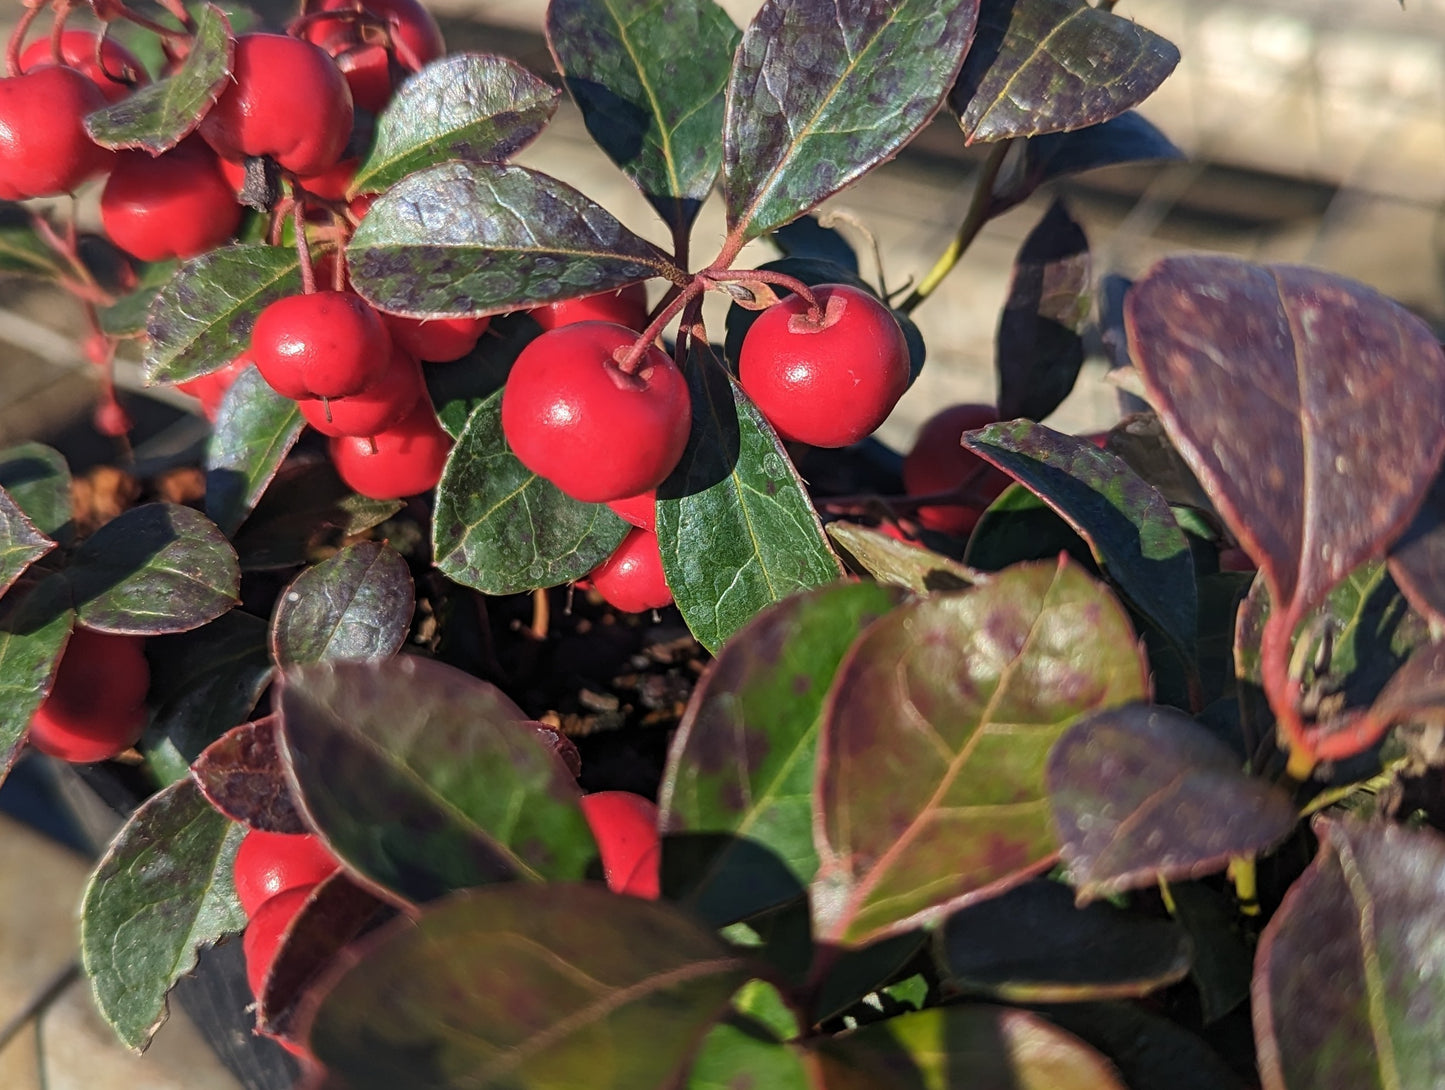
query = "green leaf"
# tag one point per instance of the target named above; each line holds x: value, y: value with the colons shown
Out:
x: 38, y: 480
x: 154, y: 569
x: 545, y: 987
x: 1020, y: 526
x: 898, y: 563
x: 32, y: 637
x: 960, y: 698
x: 735, y: 526
x: 656, y: 113
x: 458, y: 387
x: 21, y: 544
x: 1045, y: 66
x: 426, y: 780
x: 201, y: 320
x: 357, y: 605
x: 501, y: 528
x: 483, y: 238
x: 742, y: 760
x: 255, y: 429
x: 738, y: 1053
x: 162, y: 891
x: 476, y: 107
x: 160, y: 115
x: 1151, y: 1052
x: 127, y: 316
x: 24, y: 253
x: 822, y: 93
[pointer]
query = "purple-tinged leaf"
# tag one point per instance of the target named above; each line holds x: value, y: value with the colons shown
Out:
x: 1140, y: 439
x: 34, y: 628
x: 821, y: 93
x: 1127, y: 523
x: 38, y: 481
x: 355, y: 605
x: 742, y: 760
x: 484, y: 238
x: 550, y: 987
x: 425, y: 780
x: 1141, y: 793
x: 21, y: 544
x: 649, y: 77
x: 162, y: 890
x: 476, y: 107
x: 898, y: 563
x: 1046, y: 66
x: 154, y: 569
x: 240, y: 775
x: 1040, y: 334
x: 1417, y: 691
x: 930, y: 788
x: 1348, y: 985
x: 1310, y: 407
x: 1034, y: 945
x: 1417, y: 559
x: 254, y: 431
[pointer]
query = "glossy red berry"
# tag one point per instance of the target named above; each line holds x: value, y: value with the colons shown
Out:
x: 830, y: 382
x: 436, y: 340
x: 360, y: 47
x: 573, y: 416
x: 625, y: 828
x: 286, y: 100
x: 173, y: 205
x: 626, y: 306
x: 401, y: 461
x: 96, y: 707
x: 210, y: 389
x: 938, y: 462
x: 639, y: 510
x: 44, y: 148
x: 326, y: 344
x: 271, y: 863
x: 116, y: 71
x: 631, y: 579
x: 268, y: 924
x: 383, y: 404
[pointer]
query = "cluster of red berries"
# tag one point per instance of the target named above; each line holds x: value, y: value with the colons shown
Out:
x: 96, y: 707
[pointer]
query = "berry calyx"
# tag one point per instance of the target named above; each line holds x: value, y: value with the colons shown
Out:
x: 262, y: 940
x: 383, y: 404
x: 830, y: 381
x: 631, y: 579
x: 625, y: 306
x: 625, y: 828
x: 96, y: 707
x: 573, y: 416
x: 116, y: 71
x: 269, y: 863
x: 403, y: 460
x: 436, y: 340
x: 325, y: 344
x: 939, y: 462
x: 44, y: 148
x: 173, y: 205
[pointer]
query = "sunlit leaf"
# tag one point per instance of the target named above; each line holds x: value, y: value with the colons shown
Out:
x: 356, y: 605
x: 255, y: 429
x: 240, y: 775
x: 21, y: 544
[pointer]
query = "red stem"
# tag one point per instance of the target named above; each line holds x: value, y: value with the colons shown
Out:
x: 1283, y: 691
x: 57, y: 33
x: 764, y: 276
x: 628, y: 364
x: 17, y: 39
x: 303, y: 250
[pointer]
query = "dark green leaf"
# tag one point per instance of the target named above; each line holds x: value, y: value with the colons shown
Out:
x: 162, y: 890
x: 483, y: 238
x: 254, y: 431
x: 201, y: 320
x: 24, y: 253
x: 855, y: 974
x: 742, y: 760
x: 1152, y: 1053
x: 744, y: 1055
x: 1141, y: 793
x: 546, y: 987
x: 357, y: 605
x: 21, y: 544
x: 959, y: 697
x: 240, y: 775
x: 1033, y: 945
x: 807, y: 238
x: 1140, y: 439
x: 426, y: 780
x: 1043, y: 66
x: 160, y: 115
x: 1020, y: 526
x: 1040, y: 334
x: 722, y: 879
x: 501, y: 528
x: 154, y: 569
x: 38, y: 480
x: 1222, y: 952
x: 1346, y: 986
x: 476, y: 107
x: 649, y: 77
x: 889, y: 560
x: 822, y: 93
x: 735, y: 526
x: 32, y: 636
x: 1126, y: 522
x: 127, y: 316
x: 458, y: 387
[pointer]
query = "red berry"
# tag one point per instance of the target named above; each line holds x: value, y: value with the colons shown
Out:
x: 96, y: 707
x: 360, y: 48
x: 271, y: 863
x: 262, y: 940
x: 939, y: 462
x: 401, y: 461
x: 44, y: 148
x: 332, y: 185
x: 383, y: 404
x: 115, y: 72
x: 639, y: 510
x: 625, y: 828
x: 573, y: 416
x: 626, y: 306
x: 829, y: 383
x: 173, y: 205
x: 631, y: 579
x: 326, y: 344
x: 210, y: 389
x: 287, y: 100
x: 436, y: 340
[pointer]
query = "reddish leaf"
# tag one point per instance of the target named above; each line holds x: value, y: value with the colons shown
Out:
x: 240, y: 775
x: 1417, y: 560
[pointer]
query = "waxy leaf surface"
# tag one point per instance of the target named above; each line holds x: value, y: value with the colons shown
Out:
x: 476, y: 107
x: 38, y: 481
x: 822, y: 93
x: 240, y: 775
x: 899, y: 563
x: 1045, y: 66
x: 1141, y: 793
x: 931, y: 767
x: 1348, y: 985
x: 21, y: 544
x: 1309, y: 406
x: 162, y: 890
x: 426, y: 780
x: 742, y: 760
x: 735, y: 526
x: 255, y: 429
x: 356, y: 605
x: 31, y: 640
x: 549, y: 987
x: 483, y: 238
x: 501, y: 528
x: 649, y: 76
